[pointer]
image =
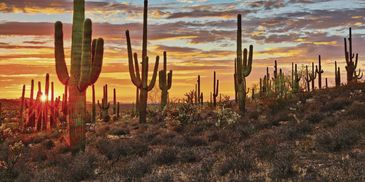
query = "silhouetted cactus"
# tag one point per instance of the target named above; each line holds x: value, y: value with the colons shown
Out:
x: 310, y: 77
x: 337, y: 75
x: 138, y: 80
x: 215, y: 89
x: 114, y: 101
x: 104, y: 106
x: 93, y: 105
x: 326, y: 83
x: 295, y: 79
x: 197, y: 92
x: 351, y: 60
x: 319, y: 72
x: 22, y: 103
x: 165, y: 81
x: 86, y: 63
x: 243, y: 68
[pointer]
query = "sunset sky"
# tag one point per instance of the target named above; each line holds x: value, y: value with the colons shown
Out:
x: 199, y: 36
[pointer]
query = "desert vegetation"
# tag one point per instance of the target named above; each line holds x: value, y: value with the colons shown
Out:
x: 287, y: 130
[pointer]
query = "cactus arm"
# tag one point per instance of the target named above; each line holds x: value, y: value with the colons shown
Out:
x: 356, y: 59
x: 97, y: 61
x: 77, y: 35
x: 136, y: 81
x: 154, y: 75
x: 85, y: 69
x: 136, y: 66
x: 169, y: 80
x: 61, y: 68
x: 248, y: 66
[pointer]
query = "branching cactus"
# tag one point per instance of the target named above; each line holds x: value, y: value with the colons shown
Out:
x: 351, y: 60
x: 244, y: 67
x: 215, y: 89
x: 86, y: 63
x: 165, y: 82
x: 310, y: 77
x: 140, y: 79
x: 319, y: 72
x: 105, y: 105
x: 296, y: 77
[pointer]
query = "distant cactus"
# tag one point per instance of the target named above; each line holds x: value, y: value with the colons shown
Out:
x: 86, y: 63
x: 104, y: 105
x: 140, y: 81
x: 296, y: 77
x: 198, y: 94
x: 310, y: 77
x: 215, y: 89
x: 165, y: 82
x: 22, y: 103
x: 326, y: 83
x: 93, y: 105
x: 319, y: 72
x: 351, y: 60
x: 114, y: 101
x: 243, y: 68
x: 337, y: 75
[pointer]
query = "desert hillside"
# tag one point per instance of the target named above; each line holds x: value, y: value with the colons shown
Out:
x: 311, y: 137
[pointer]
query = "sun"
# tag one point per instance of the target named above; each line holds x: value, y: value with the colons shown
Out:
x: 43, y: 98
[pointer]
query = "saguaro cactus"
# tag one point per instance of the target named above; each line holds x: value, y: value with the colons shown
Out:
x: 140, y: 80
x: 165, y: 81
x: 215, y: 89
x: 104, y: 106
x: 337, y: 75
x: 22, y: 100
x: 93, y: 106
x: 310, y: 77
x: 295, y: 78
x: 86, y: 63
x: 244, y: 67
x: 319, y: 72
x: 114, y: 101
x: 351, y: 61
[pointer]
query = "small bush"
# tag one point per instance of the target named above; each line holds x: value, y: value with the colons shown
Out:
x: 113, y: 150
x: 188, y: 156
x: 314, y: 118
x: 283, y: 164
x: 337, y: 139
x: 357, y: 110
x: 239, y: 163
x: 166, y: 156
x: 335, y: 105
x: 137, y: 168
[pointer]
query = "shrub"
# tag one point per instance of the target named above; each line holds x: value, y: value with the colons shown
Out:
x: 114, y: 149
x: 166, y: 156
x: 357, y: 110
x: 335, y: 104
x: 283, y: 164
x: 187, y: 156
x: 314, y: 118
x: 337, y: 139
x: 137, y: 168
x: 242, y: 162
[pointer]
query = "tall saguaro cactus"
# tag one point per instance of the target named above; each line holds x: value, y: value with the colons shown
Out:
x: 140, y: 80
x: 319, y: 72
x: 165, y: 81
x: 86, y: 63
x: 243, y: 68
x: 215, y: 89
x: 337, y: 75
x: 295, y: 78
x: 351, y: 60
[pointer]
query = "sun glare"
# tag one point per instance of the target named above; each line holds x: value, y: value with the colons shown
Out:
x: 43, y: 98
